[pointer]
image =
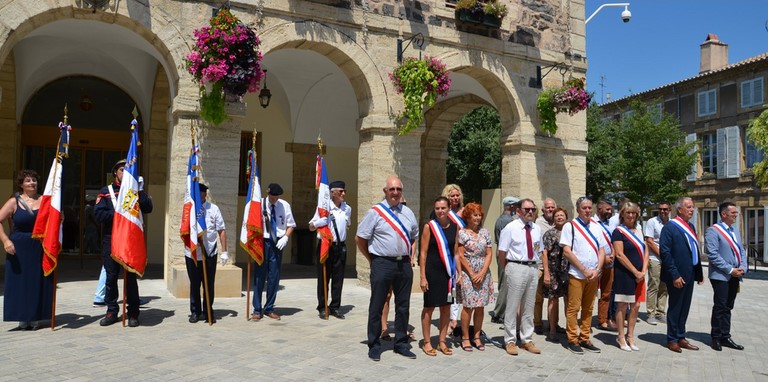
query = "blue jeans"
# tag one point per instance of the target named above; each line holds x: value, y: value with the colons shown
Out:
x: 101, y: 288
x: 269, y: 271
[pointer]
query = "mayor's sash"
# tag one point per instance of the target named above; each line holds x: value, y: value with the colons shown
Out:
x: 446, y: 255
x: 726, y: 234
x: 456, y: 219
x: 395, y: 223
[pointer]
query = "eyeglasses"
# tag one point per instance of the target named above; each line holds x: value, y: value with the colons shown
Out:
x: 340, y: 191
x: 527, y: 209
x: 393, y: 189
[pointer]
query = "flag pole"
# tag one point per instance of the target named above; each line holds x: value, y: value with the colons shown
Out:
x: 201, y: 243
x: 58, y: 158
x: 322, y: 264
x: 250, y: 184
x: 125, y: 296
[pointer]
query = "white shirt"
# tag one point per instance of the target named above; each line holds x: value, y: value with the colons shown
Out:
x: 606, y: 230
x: 512, y: 240
x: 214, y: 223
x: 581, y: 247
x: 283, y: 217
x: 342, y: 218
x: 653, y: 230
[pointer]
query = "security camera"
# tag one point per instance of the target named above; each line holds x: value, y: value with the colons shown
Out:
x: 626, y: 15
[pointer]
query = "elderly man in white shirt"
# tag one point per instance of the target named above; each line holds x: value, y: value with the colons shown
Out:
x: 519, y: 253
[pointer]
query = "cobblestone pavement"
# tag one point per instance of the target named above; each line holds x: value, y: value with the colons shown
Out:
x: 303, y: 347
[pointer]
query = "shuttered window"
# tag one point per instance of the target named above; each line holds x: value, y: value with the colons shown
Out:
x: 707, y: 102
x: 752, y: 93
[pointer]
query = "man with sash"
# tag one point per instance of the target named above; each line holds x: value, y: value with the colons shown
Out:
x: 510, y: 203
x: 604, y: 305
x: 584, y: 246
x: 384, y: 237
x: 104, y: 212
x: 519, y: 253
x: 657, y: 291
x: 727, y: 266
x: 545, y: 222
x: 339, y: 218
x: 679, y: 249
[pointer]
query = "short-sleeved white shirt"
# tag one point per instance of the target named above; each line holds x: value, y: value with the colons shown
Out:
x: 214, y: 223
x: 653, y: 230
x: 512, y: 240
x: 581, y: 247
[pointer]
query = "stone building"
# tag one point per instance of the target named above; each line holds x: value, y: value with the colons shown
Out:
x: 714, y: 109
x: 328, y: 63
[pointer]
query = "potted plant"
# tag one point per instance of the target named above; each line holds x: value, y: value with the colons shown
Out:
x: 571, y: 98
x: 470, y: 11
x: 420, y: 81
x: 224, y: 59
x: 494, y: 13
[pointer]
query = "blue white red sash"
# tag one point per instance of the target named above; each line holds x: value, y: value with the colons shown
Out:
x: 728, y: 236
x: 606, y: 233
x: 395, y: 223
x: 456, y: 219
x: 639, y: 245
x: 693, y: 242
x: 446, y: 255
x: 588, y: 236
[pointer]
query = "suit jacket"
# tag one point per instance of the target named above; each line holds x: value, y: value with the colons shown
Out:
x: 676, y: 257
x: 721, y: 257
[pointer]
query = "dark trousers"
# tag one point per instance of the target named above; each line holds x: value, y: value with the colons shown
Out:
x: 195, y: 273
x: 724, y: 297
x: 113, y: 268
x: 334, y: 274
x: 269, y: 271
x: 679, y: 306
x: 389, y: 273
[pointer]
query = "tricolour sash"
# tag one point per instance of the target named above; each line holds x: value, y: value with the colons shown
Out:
x: 693, y: 242
x: 446, y: 255
x: 728, y: 236
x: 639, y: 245
x: 395, y: 223
x: 588, y: 236
x: 456, y: 219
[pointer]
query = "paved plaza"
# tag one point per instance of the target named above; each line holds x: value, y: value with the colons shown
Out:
x: 302, y: 347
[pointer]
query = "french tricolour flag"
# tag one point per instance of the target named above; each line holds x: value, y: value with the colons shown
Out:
x: 128, y: 246
x: 252, y: 231
x: 323, y: 207
x: 193, y: 215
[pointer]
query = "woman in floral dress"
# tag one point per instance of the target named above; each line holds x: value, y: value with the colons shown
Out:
x: 476, y: 285
x: 555, y: 271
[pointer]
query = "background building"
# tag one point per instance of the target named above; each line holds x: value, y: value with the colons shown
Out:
x: 328, y: 63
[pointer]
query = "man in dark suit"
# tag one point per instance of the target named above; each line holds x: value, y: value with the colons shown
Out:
x: 681, y: 266
x: 727, y: 265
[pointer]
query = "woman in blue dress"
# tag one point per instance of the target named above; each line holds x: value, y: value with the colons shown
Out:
x: 28, y: 293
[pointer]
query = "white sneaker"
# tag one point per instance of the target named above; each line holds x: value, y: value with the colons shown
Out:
x: 652, y: 321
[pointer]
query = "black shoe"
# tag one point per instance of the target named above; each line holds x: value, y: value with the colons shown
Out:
x: 321, y: 314
x: 716, y: 345
x: 575, y: 349
x: 109, y: 319
x: 193, y: 319
x: 538, y: 330
x: 338, y: 315
x: 728, y: 342
x: 374, y: 354
x: 204, y: 317
x: 589, y: 347
x: 497, y: 320
x: 143, y: 301
x: 133, y: 322
x: 406, y: 353
x: 97, y: 303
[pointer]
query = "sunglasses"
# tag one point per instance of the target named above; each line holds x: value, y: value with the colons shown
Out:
x: 663, y: 209
x: 527, y: 209
x: 393, y: 189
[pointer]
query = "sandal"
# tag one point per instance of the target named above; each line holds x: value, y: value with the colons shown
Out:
x: 430, y: 352
x: 479, y: 344
x: 467, y: 348
x: 444, y: 348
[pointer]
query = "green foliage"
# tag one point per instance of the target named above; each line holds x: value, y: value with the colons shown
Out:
x: 639, y: 158
x: 466, y: 4
x: 474, y: 153
x: 758, y: 135
x: 212, y: 104
x: 419, y: 81
x: 548, y: 110
x: 497, y: 9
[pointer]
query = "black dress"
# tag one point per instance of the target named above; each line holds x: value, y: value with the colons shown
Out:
x: 28, y: 294
x: 437, y: 276
x: 624, y: 282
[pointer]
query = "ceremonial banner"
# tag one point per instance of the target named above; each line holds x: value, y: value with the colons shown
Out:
x: 128, y: 247
x: 193, y: 215
x: 323, y: 208
x: 48, y: 225
x: 252, y: 230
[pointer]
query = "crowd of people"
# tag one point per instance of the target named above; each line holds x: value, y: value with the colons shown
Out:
x: 595, y: 255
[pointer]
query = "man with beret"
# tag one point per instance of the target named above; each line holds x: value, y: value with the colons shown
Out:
x: 278, y: 226
x: 215, y: 228
x: 104, y: 213
x: 509, y: 203
x: 339, y: 218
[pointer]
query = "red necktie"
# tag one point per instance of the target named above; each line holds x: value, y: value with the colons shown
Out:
x: 529, y: 241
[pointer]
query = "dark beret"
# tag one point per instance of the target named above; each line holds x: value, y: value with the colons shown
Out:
x: 337, y: 184
x: 274, y: 189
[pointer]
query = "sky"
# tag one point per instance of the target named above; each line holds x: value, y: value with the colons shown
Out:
x: 661, y: 42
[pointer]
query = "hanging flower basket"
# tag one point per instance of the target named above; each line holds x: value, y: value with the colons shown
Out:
x: 571, y: 98
x: 224, y: 59
x: 420, y: 81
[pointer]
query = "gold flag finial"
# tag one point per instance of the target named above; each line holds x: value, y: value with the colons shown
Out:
x: 135, y: 112
x: 65, y: 114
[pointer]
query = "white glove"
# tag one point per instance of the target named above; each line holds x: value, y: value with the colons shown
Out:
x: 141, y: 183
x: 320, y: 222
x: 224, y: 257
x: 282, y: 242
